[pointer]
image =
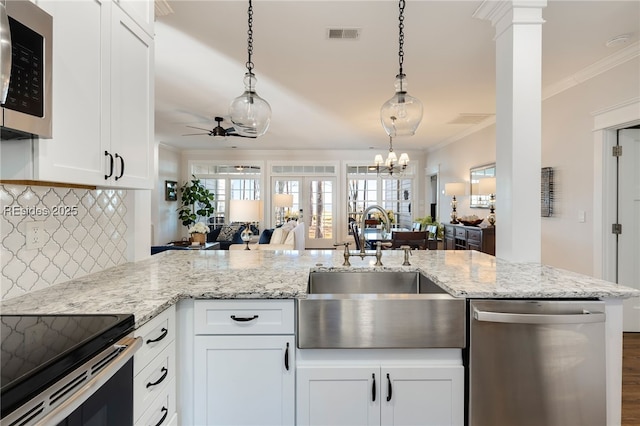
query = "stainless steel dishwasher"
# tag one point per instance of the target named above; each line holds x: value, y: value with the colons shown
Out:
x: 536, y: 362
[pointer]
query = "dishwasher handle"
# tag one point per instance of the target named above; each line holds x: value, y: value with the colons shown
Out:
x: 518, y: 318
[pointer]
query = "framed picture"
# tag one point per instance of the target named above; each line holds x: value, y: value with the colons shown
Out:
x: 170, y: 190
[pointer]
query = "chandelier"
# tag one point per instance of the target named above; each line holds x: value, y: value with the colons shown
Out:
x: 401, y: 114
x: 249, y: 113
x: 392, y: 165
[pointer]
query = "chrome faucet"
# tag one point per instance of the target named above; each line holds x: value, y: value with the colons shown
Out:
x: 385, y: 219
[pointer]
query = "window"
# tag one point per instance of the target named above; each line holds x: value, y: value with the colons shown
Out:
x: 393, y: 194
x: 228, y: 183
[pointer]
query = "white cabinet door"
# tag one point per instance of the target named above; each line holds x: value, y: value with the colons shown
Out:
x: 75, y: 153
x: 422, y: 395
x: 131, y: 102
x: 244, y: 380
x: 332, y: 396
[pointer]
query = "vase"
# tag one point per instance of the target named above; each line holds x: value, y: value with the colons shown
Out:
x: 198, y: 238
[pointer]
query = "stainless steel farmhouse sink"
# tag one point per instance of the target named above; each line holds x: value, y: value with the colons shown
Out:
x: 358, y: 309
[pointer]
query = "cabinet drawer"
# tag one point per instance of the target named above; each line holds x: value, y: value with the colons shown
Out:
x: 461, y: 233
x: 474, y: 235
x: 156, y: 335
x: 449, y: 231
x: 244, y: 317
x: 153, y: 379
x: 162, y: 410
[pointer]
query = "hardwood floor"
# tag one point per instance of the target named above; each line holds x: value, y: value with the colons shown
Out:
x: 631, y: 379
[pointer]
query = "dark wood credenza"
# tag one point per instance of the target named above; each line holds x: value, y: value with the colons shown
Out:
x: 460, y: 237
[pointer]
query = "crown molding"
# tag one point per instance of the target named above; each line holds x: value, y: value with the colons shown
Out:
x: 610, y: 62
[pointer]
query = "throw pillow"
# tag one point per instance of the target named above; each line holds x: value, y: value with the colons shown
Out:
x: 213, y: 235
x: 265, y: 237
x: 278, y: 236
x: 227, y: 231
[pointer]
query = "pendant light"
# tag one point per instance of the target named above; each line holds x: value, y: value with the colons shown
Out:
x: 249, y: 113
x: 401, y: 114
x: 392, y: 164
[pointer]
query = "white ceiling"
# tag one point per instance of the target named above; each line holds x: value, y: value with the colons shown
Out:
x: 327, y: 94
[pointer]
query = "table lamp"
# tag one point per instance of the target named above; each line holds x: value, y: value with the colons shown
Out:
x: 453, y: 189
x: 246, y: 211
x: 282, y: 201
x: 488, y: 186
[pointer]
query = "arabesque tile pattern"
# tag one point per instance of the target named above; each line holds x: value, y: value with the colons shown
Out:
x: 84, y: 231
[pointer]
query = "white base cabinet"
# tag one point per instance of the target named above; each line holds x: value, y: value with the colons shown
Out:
x: 154, y: 372
x: 244, y: 380
x: 380, y: 395
x: 243, y: 362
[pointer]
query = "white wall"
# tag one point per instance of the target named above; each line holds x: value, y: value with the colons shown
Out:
x: 567, y: 146
x: 164, y: 215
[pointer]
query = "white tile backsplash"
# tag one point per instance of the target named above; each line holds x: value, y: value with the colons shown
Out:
x: 85, y: 231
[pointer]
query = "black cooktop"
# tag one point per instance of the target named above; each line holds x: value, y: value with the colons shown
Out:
x: 38, y: 350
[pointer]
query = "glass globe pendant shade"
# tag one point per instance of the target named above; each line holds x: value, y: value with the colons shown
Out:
x: 249, y: 113
x: 401, y: 115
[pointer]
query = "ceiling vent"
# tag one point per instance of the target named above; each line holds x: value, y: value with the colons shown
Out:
x: 343, y: 33
x: 470, y: 118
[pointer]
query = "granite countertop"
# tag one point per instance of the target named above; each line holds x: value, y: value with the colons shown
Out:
x: 148, y: 287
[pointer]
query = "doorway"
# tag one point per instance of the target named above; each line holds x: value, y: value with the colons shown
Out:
x: 627, y: 269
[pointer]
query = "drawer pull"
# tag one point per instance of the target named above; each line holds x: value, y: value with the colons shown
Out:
x: 286, y: 357
x: 243, y: 319
x: 389, y: 389
x: 373, y: 388
x: 164, y: 410
x: 162, y: 336
x: 161, y: 379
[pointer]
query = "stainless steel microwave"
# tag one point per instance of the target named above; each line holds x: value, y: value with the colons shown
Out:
x: 25, y: 69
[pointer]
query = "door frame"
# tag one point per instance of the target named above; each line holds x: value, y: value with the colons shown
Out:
x: 606, y: 123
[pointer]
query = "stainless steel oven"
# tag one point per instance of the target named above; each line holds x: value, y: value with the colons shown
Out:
x: 67, y: 369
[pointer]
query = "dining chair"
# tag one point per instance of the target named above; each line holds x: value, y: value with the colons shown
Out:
x: 414, y: 239
x: 417, y: 226
x: 356, y: 235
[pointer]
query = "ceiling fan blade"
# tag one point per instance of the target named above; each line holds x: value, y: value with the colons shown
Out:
x: 196, y: 134
x: 199, y: 128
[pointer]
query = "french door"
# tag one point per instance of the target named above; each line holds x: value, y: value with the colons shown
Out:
x: 314, y: 202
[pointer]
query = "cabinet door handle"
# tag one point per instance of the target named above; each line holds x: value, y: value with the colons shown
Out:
x: 162, y: 336
x: 110, y: 165
x: 121, y: 166
x: 389, y: 389
x: 373, y: 387
x: 164, y: 410
x: 161, y: 379
x: 286, y: 357
x: 243, y: 319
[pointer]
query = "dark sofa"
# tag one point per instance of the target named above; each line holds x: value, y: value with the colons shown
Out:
x: 227, y: 235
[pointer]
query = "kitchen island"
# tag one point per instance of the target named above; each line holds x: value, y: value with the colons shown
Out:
x: 150, y: 287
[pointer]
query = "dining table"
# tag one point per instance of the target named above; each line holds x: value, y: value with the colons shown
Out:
x: 374, y: 235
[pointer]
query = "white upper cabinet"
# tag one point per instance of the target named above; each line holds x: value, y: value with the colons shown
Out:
x: 102, y: 98
x: 142, y: 12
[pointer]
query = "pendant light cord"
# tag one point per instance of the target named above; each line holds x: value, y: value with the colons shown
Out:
x: 249, y: 63
x: 401, y: 5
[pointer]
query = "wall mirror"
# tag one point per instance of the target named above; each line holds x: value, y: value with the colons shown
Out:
x: 477, y: 200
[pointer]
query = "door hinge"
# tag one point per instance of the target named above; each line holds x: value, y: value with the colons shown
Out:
x: 616, y: 228
x: 617, y: 151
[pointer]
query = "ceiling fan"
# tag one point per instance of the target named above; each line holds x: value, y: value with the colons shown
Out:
x: 218, y: 131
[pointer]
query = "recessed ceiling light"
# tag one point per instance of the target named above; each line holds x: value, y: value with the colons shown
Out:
x: 618, y: 40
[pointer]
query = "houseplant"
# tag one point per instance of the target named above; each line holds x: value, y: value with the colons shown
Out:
x: 428, y: 220
x: 196, y: 202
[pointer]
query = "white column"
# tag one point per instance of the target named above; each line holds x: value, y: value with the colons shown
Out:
x: 518, y: 25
